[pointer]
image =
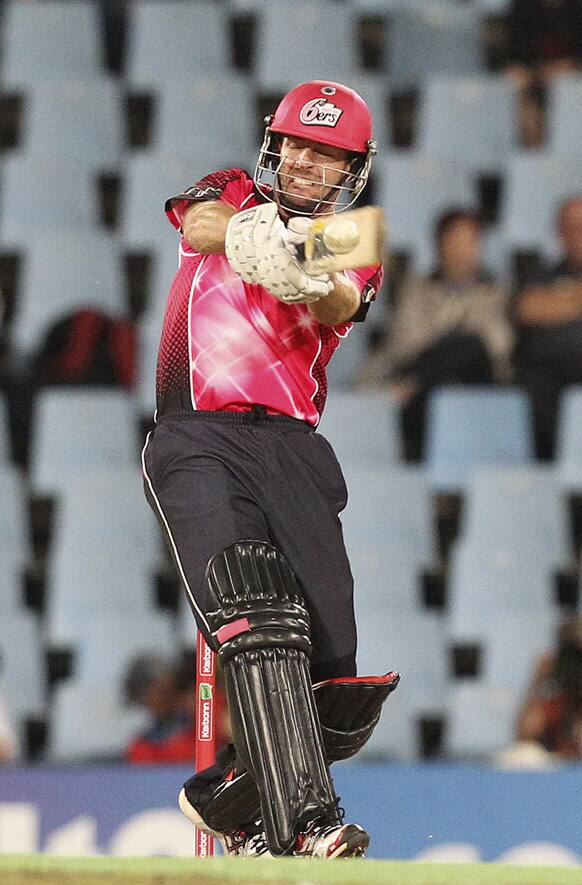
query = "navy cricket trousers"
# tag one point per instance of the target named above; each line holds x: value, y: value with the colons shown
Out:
x: 213, y: 478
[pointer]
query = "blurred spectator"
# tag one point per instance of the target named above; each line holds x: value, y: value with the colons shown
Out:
x: 167, y: 691
x: 448, y: 327
x: 548, y: 317
x: 551, y: 716
x: 545, y: 39
x: 9, y: 750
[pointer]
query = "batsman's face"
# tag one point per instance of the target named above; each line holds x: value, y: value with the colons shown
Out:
x: 309, y: 170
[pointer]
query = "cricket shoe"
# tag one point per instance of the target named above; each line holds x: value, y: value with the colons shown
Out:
x: 344, y: 840
x: 236, y: 843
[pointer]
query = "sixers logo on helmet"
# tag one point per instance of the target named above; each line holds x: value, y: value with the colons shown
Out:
x: 320, y: 112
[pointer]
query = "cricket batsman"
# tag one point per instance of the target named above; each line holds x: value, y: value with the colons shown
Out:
x: 246, y: 490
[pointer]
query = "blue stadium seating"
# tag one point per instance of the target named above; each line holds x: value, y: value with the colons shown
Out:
x: 361, y: 427
x: 213, y: 117
x: 172, y: 41
x: 536, y: 183
x: 569, y: 440
x: 525, y: 504
x: 469, y: 119
x: 481, y: 719
x: 79, y: 120
x: 565, y: 114
x: 469, y: 427
x: 14, y: 523
x: 306, y: 27
x: 80, y: 430
x: 49, y: 40
x: 434, y: 37
x: 151, y: 179
x: 62, y: 193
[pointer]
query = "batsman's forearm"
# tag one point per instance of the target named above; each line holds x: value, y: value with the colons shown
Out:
x: 204, y: 227
x: 341, y: 303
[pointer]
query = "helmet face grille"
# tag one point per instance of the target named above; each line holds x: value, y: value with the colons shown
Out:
x: 271, y: 185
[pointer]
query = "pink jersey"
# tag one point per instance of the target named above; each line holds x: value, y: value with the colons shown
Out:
x: 229, y: 345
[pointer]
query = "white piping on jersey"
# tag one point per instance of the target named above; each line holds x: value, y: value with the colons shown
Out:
x: 246, y: 199
x: 170, y: 536
x: 190, y: 299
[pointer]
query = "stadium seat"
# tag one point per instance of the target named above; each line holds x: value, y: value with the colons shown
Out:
x: 525, y: 504
x: 162, y: 271
x: 13, y: 584
x: 347, y: 361
x: 186, y: 624
x: 468, y: 119
x: 362, y: 427
x: 536, y: 183
x: 469, y: 427
x: 92, y: 588
x: 14, y: 523
x: 565, y: 114
x: 21, y: 662
x: 390, y: 504
x: 510, y: 653
x: 79, y: 430
x: 173, y: 41
x: 103, y: 654
x: 5, y: 446
x: 397, y: 735
x: 433, y: 37
x: 502, y: 603
x: 304, y: 26
x: 413, y: 643
x: 105, y: 511
x: 149, y: 342
x: 488, y: 585
x: 62, y: 194
x: 61, y: 274
x: 388, y: 572
x: 211, y: 116
x: 152, y: 179
x: 569, y: 440
x: 80, y: 121
x: 89, y: 722
x: 415, y: 190
x: 481, y: 719
x: 49, y: 40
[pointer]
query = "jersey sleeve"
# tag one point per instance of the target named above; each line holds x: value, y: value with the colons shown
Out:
x: 369, y: 281
x: 229, y: 185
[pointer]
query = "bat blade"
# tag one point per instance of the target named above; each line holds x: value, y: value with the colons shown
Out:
x: 369, y: 249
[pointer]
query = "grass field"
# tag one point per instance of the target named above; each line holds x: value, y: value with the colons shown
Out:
x: 33, y: 869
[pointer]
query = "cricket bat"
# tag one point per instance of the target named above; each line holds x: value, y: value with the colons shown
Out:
x: 345, y: 241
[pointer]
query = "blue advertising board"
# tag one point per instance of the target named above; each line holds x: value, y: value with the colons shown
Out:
x: 430, y: 811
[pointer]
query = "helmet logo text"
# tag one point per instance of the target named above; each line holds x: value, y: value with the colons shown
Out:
x: 320, y: 112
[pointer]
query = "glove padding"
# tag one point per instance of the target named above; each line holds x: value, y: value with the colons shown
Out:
x: 260, y: 249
